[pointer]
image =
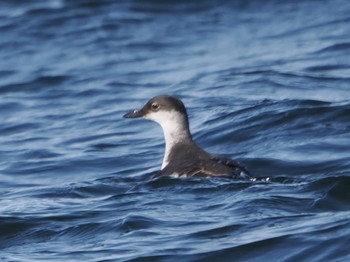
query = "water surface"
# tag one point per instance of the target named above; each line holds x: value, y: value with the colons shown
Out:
x: 265, y: 82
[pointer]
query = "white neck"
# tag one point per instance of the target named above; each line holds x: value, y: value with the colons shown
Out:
x: 175, y: 129
x: 173, y: 134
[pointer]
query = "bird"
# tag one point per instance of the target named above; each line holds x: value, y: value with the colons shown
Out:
x: 183, y: 157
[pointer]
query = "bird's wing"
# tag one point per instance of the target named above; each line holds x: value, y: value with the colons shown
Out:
x: 239, y: 171
x: 199, y: 169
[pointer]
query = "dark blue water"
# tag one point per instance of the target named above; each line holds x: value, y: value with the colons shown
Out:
x: 265, y: 82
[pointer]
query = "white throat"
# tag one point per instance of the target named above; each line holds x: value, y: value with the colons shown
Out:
x: 175, y: 129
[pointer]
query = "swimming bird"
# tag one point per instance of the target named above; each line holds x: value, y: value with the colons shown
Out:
x: 183, y: 158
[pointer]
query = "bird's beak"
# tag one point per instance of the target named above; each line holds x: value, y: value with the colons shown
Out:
x: 134, y: 114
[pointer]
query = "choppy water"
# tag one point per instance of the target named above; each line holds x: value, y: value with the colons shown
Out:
x: 265, y: 82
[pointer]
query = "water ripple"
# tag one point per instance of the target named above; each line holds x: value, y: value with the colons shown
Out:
x: 265, y: 83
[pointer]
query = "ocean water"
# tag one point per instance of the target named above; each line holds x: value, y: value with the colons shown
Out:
x: 264, y: 82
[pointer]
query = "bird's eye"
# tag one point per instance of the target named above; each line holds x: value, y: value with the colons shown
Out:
x: 155, y: 106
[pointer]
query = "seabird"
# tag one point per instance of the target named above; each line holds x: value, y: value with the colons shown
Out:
x: 183, y: 157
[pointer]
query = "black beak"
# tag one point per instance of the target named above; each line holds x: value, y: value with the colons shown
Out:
x: 134, y: 114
